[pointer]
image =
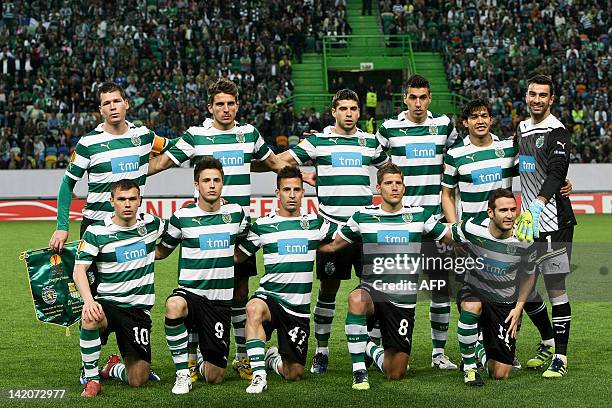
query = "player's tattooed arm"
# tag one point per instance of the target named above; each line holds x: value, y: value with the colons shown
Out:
x: 274, y: 162
x: 336, y: 245
x: 159, y: 163
x: 239, y: 256
x: 162, y: 251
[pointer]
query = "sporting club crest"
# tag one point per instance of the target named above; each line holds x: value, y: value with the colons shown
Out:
x: 304, y: 223
x: 136, y: 140
x: 499, y: 152
x: 433, y: 130
x: 362, y: 140
x: 407, y: 217
x: 49, y: 295
x: 142, y: 230
x: 240, y: 138
x: 540, y: 141
x: 227, y: 218
x: 510, y: 249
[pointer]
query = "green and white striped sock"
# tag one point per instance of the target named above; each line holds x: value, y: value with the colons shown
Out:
x: 377, y: 354
x: 439, y: 316
x: 177, y: 339
x: 256, y: 352
x: 238, y: 322
x: 90, y: 352
x: 324, y: 312
x: 467, y: 333
x: 357, y: 336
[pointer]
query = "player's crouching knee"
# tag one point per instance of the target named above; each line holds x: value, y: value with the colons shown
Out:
x: 254, y: 311
x: 175, y: 306
x: 396, y: 373
x: 138, y: 379
x: 214, y: 379
x: 500, y: 373
x: 294, y: 374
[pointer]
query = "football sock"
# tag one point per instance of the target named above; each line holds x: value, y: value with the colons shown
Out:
x: 357, y: 336
x: 90, y: 352
x: 177, y: 339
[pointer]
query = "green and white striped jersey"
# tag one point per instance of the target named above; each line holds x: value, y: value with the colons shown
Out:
x: 477, y: 171
x: 499, y: 262
x: 387, y: 236
x: 207, y: 239
x: 289, y: 246
x: 107, y: 159
x: 235, y: 148
x: 342, y: 163
x: 418, y: 149
x: 125, y: 259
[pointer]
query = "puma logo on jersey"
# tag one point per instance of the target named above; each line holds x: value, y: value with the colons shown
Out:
x: 561, y: 144
x: 211, y: 138
x: 113, y: 236
x: 470, y: 156
x: 334, y: 140
x: 197, y: 221
x: 275, y: 226
x: 107, y: 145
x: 404, y: 131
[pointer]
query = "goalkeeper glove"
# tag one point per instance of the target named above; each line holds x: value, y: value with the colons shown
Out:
x: 527, y: 224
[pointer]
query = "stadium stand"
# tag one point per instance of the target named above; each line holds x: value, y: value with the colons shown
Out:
x: 489, y: 53
x: 55, y: 54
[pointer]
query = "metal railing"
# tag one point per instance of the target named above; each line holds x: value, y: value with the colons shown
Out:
x: 358, y: 45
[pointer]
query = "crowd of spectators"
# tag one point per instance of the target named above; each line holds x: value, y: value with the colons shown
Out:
x: 491, y: 47
x: 54, y: 55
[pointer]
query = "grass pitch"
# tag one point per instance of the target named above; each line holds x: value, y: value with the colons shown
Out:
x: 38, y: 356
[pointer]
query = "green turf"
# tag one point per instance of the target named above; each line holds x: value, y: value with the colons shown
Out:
x: 34, y: 355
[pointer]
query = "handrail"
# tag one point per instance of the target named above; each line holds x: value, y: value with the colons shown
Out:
x: 386, y: 45
x: 325, y: 79
x: 411, y: 56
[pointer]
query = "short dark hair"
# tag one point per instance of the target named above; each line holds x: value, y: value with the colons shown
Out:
x: 542, y: 79
x: 417, y: 81
x: 389, y: 168
x: 207, y: 162
x: 473, y: 106
x: 288, y: 172
x: 108, y: 87
x: 344, y: 95
x: 223, y: 85
x: 499, y: 193
x: 124, y: 185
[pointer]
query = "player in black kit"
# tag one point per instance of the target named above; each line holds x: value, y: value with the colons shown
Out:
x: 544, y: 153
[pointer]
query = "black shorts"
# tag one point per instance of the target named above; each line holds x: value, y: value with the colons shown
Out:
x: 396, y: 323
x: 554, y: 251
x: 211, y: 320
x: 92, y: 271
x: 247, y: 268
x: 132, y: 328
x: 498, y: 343
x: 292, y: 331
x: 338, y: 265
